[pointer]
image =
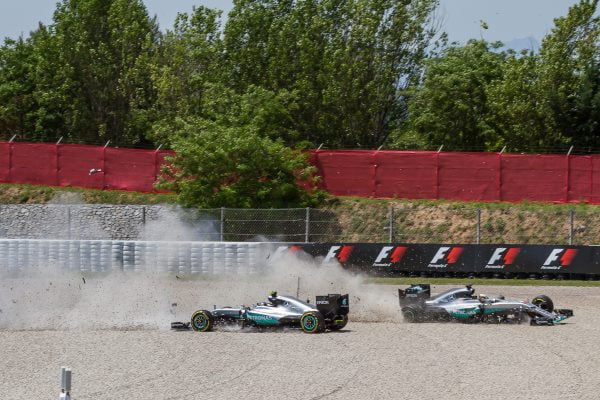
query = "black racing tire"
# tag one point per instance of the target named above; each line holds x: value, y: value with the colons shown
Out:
x: 336, y: 325
x: 312, y: 322
x: 410, y: 314
x: 543, y: 302
x: 202, y: 321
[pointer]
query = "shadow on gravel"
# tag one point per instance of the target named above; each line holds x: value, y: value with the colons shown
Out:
x: 258, y: 330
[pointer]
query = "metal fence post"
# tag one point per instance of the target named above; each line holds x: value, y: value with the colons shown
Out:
x: 307, y: 226
x: 391, y: 226
x: 571, y: 231
x: 478, y: 233
x: 222, y: 230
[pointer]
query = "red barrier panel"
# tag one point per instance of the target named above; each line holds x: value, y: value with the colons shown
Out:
x: 78, y: 165
x: 580, y: 177
x: 367, y: 173
x: 407, y: 174
x: 594, y: 179
x: 460, y: 176
x: 130, y: 169
x: 468, y: 176
x: 33, y: 163
x: 538, y: 177
x: 4, y: 162
x: 347, y: 173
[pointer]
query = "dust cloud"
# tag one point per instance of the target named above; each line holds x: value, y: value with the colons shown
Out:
x: 55, y: 299
x: 52, y: 298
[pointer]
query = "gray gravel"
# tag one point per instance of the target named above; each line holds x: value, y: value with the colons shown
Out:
x: 367, y: 360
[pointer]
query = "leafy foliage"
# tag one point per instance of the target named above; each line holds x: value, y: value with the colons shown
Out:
x: 283, y: 75
x: 86, y: 76
x: 234, y: 166
x: 451, y: 107
x: 477, y: 97
x: 347, y: 62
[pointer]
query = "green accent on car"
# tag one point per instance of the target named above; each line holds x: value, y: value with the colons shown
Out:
x: 492, y: 310
x: 262, y: 319
x: 559, y: 318
x: 465, y: 313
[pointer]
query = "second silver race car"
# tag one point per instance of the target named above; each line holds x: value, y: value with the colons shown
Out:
x: 462, y: 304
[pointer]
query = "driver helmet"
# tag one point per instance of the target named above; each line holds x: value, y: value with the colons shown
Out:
x: 482, y: 297
x: 273, y: 297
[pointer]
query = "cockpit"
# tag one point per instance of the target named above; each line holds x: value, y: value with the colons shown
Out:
x: 452, y: 295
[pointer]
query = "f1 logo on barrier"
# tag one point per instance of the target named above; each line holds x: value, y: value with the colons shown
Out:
x: 559, y: 258
x: 390, y: 255
x: 502, y: 257
x: 340, y: 253
x: 284, y: 249
x: 445, y: 256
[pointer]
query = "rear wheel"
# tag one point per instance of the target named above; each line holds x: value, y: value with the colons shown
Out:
x: 339, y: 322
x: 312, y: 322
x: 544, y: 302
x: 410, y: 315
x: 202, y: 321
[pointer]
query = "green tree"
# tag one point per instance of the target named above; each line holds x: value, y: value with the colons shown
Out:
x: 229, y: 166
x: 568, y: 54
x: 585, y: 114
x: 17, y: 67
x: 234, y: 157
x: 96, y: 70
x: 346, y: 61
x: 185, y: 68
x: 547, y: 99
x: 520, y: 115
x: 451, y: 107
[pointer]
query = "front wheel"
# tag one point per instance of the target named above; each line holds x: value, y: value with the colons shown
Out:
x: 202, y: 321
x: 339, y: 322
x: 312, y: 322
x: 544, y: 302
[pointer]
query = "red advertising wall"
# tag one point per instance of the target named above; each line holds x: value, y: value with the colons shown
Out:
x: 366, y: 173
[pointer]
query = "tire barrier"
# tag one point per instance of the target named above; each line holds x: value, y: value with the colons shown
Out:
x: 130, y: 256
x: 533, y: 261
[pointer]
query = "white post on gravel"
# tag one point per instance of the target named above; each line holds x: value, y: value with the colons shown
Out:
x: 65, y: 383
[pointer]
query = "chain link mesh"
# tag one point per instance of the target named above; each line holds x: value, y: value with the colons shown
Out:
x: 365, y: 222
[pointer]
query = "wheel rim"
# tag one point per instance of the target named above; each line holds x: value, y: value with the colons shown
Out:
x: 309, y: 323
x: 200, y: 321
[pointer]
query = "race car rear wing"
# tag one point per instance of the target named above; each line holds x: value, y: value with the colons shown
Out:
x: 333, y: 304
x: 415, y: 294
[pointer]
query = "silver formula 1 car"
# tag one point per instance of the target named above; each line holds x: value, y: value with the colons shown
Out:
x: 462, y: 304
x: 330, y: 312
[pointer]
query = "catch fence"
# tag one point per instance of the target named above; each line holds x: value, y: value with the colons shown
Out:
x: 359, y: 223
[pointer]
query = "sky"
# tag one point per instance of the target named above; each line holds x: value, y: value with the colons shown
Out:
x: 507, y: 19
